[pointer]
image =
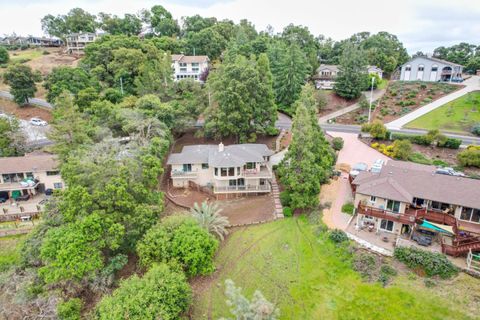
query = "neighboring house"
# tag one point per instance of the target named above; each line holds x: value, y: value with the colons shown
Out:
x: 44, y: 42
x: 234, y: 169
x: 76, y: 42
x: 189, y: 67
x: 30, y: 174
x: 14, y: 40
x: 403, y: 195
x: 424, y: 68
x: 326, y: 74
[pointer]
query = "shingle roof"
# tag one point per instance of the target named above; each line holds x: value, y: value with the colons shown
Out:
x: 330, y: 67
x: 28, y: 163
x: 402, y: 180
x: 231, y: 156
x: 189, y: 59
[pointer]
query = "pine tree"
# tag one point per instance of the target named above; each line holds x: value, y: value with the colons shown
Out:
x: 352, y: 77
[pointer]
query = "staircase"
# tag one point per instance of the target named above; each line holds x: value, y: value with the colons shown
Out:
x: 461, y: 247
x: 276, y: 198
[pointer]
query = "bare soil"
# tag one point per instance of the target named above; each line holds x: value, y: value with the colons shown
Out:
x: 56, y: 58
x: 26, y: 112
x: 247, y: 210
x: 335, y: 103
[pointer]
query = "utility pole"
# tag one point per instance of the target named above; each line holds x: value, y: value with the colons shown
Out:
x: 194, y: 51
x: 121, y: 85
x: 371, y: 100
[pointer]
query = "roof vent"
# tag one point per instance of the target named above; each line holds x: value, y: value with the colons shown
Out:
x: 221, y: 147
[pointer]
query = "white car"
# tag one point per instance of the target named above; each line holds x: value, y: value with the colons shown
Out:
x: 38, y: 122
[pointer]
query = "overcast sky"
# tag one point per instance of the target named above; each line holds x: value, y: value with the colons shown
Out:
x: 420, y: 24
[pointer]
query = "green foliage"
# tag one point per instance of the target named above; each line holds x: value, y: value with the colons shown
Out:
x: 130, y: 24
x: 285, y: 198
x: 4, y: 57
x: 434, y: 264
x: 162, y: 22
x: 287, y: 212
x: 402, y: 149
x: 69, y: 310
x: 21, y: 80
x: 420, y: 158
x: 469, y: 158
x: 337, y: 143
x: 209, y: 218
x: 12, y: 139
x: 376, y: 129
x: 476, y: 129
x: 179, y: 239
x: 351, y: 79
x: 77, y: 20
x: 348, y: 208
x: 67, y: 79
x: 162, y: 293
x: 337, y: 236
x: 450, y: 143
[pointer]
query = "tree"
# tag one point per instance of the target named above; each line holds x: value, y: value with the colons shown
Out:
x: 209, y: 218
x: 21, y: 80
x: 12, y: 139
x: 163, y: 23
x: 77, y: 20
x: 473, y: 65
x: 402, y: 149
x: 162, y: 293
x: 352, y: 75
x: 155, y: 75
x: 206, y: 42
x: 257, y: 308
x: 290, y: 69
x: 67, y: 78
x: 304, y: 39
x: 4, y: 57
x: 196, y: 23
x: 179, y: 239
x: 385, y: 51
x: 129, y: 25
x: 376, y: 129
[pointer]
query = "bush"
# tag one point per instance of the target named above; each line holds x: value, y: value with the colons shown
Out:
x: 420, y: 158
x: 376, y: 129
x: 402, y: 149
x: 162, y: 293
x: 348, y: 208
x: 69, y: 310
x: 469, y: 158
x: 287, y: 212
x: 386, y: 272
x: 337, y: 143
x: 430, y: 283
x: 285, y: 198
x: 450, y: 143
x: 337, y: 236
x: 434, y: 264
x: 4, y: 57
x: 180, y: 239
x: 476, y: 129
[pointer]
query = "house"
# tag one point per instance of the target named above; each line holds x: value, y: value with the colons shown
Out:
x: 189, y: 67
x: 14, y: 40
x: 76, y: 42
x: 405, y: 196
x: 44, y: 42
x: 236, y: 169
x: 326, y: 74
x: 30, y: 174
x: 425, y: 68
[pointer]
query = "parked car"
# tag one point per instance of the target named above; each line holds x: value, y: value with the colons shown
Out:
x: 450, y: 172
x: 24, y: 197
x: 422, y: 239
x: 38, y: 122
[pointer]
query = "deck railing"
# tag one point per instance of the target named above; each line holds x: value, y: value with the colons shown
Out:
x: 240, y: 189
x: 388, y: 215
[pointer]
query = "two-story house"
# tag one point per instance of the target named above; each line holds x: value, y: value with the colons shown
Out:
x: 30, y: 174
x: 234, y: 169
x: 425, y: 68
x: 189, y: 67
x: 403, y: 195
x: 326, y: 75
x: 76, y: 42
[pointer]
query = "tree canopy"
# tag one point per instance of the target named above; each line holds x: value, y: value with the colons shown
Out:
x: 352, y: 76
x: 21, y: 80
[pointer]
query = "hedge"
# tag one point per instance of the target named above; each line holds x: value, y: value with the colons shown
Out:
x: 434, y: 264
x: 469, y: 158
x: 426, y: 140
x: 450, y: 143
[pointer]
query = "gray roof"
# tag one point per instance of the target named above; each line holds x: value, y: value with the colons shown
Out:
x: 402, y: 181
x: 232, y: 156
x: 331, y: 67
x: 433, y: 59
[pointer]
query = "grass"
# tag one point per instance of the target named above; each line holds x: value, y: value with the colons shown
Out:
x: 9, y: 254
x: 348, y: 208
x: 296, y: 267
x: 23, y: 55
x: 456, y: 116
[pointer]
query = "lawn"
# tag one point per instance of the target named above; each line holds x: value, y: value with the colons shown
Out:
x: 296, y: 267
x: 9, y: 251
x: 25, y: 55
x: 456, y: 116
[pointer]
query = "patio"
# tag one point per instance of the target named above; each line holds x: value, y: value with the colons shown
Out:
x: 29, y: 206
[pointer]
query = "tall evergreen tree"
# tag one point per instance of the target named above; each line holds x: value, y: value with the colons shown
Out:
x: 352, y: 77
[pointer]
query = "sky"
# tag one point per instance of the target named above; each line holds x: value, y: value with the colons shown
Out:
x: 422, y: 25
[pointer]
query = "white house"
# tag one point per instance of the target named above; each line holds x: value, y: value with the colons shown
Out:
x: 189, y: 67
x: 425, y: 68
x: 237, y: 169
x: 76, y: 42
x: 326, y: 74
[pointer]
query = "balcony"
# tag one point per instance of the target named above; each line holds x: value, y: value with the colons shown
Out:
x: 184, y: 174
x: 264, y: 172
x: 405, y: 218
x: 242, y: 189
x: 10, y: 186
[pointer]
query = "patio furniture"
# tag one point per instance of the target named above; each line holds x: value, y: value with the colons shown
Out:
x: 385, y: 239
x: 422, y: 239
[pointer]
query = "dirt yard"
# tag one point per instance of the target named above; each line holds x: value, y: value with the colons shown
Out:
x: 247, y: 210
x: 335, y: 103
x: 25, y: 113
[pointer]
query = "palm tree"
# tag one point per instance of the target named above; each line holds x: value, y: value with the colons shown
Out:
x: 208, y: 217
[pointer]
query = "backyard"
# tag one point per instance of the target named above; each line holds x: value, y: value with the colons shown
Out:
x: 294, y: 264
x: 9, y: 251
x: 457, y: 116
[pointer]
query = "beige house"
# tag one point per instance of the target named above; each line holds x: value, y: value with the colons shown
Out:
x: 30, y: 174
x: 76, y: 42
x: 327, y: 73
x: 189, y: 67
x: 234, y: 169
x: 404, y: 195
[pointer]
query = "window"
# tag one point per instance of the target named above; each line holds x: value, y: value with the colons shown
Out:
x: 12, y: 177
x: 232, y: 183
x: 195, y: 69
x: 204, y: 166
x: 182, y: 64
x: 439, y: 206
x: 408, y: 68
x: 393, y: 206
x: 241, y: 182
x: 58, y: 185
x: 250, y: 165
x: 195, y: 64
x: 373, y: 199
x: 470, y: 214
x: 434, y: 68
x: 196, y: 77
x: 53, y: 173
x: 263, y: 182
x: 187, y: 167
x: 29, y: 175
x: 421, y: 67
x: 216, y: 171
x: 231, y: 172
x: 183, y: 69
x: 223, y: 172
x: 386, y: 225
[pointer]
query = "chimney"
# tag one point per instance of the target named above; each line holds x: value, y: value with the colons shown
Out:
x: 220, y: 147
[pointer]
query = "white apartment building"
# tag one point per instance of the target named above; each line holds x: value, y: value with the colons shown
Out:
x: 189, y: 67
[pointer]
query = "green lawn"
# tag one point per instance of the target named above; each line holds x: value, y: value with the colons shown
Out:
x: 9, y: 251
x: 456, y: 116
x: 22, y: 55
x: 307, y: 277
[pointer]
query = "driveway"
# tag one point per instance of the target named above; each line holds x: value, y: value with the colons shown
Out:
x: 34, y: 101
x: 283, y: 122
x: 472, y: 84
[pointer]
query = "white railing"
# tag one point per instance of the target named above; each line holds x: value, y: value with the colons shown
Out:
x: 263, y: 173
x: 247, y: 188
x: 473, y: 261
x: 179, y: 174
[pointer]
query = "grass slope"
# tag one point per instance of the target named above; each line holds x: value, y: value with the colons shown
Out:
x: 9, y: 254
x: 307, y: 277
x: 456, y: 116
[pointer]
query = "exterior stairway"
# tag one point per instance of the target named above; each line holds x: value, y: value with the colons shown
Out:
x: 462, y: 247
x: 276, y: 198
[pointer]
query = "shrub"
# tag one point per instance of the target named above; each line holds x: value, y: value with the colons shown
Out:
x: 162, y: 293
x: 376, y: 129
x: 337, y: 143
x: 430, y: 283
x: 348, y: 208
x: 386, y: 272
x: 45, y: 52
x: 285, y: 198
x: 337, y: 236
x: 418, y: 157
x: 287, y: 212
x: 402, y: 149
x: 4, y: 57
x: 432, y: 263
x: 69, y: 310
x: 476, y: 129
x: 364, y: 263
x: 469, y: 158
x: 424, y: 140
x: 180, y: 239
x: 450, y: 143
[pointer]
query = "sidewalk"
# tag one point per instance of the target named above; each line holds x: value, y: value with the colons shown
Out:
x: 472, y: 84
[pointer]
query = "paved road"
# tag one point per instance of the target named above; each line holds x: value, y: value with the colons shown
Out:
x: 34, y: 101
x: 283, y: 121
x: 377, y: 94
x: 472, y: 84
